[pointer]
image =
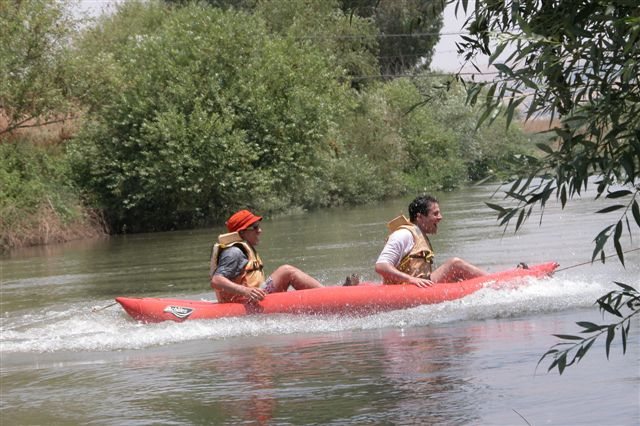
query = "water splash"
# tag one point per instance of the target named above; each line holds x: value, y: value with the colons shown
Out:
x: 79, y: 329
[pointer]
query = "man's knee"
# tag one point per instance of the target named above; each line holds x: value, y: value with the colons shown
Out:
x: 285, y: 273
x: 455, y: 262
x: 463, y: 266
x: 285, y: 270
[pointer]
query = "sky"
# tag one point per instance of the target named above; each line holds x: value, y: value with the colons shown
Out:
x: 445, y: 57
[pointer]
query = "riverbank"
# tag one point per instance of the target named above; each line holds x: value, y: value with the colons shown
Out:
x: 41, y: 205
x: 270, y: 120
x: 46, y: 226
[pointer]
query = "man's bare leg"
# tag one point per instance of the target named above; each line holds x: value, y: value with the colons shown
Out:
x: 456, y: 269
x: 287, y: 275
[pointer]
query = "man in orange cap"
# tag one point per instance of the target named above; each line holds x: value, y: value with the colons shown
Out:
x: 237, y: 270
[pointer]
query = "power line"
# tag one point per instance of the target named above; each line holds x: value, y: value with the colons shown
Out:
x: 382, y: 35
x: 388, y: 76
x: 421, y: 34
x: 415, y: 55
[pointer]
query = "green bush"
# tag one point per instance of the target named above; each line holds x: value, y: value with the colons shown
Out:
x: 444, y: 146
x: 349, y: 41
x: 369, y: 140
x: 206, y: 112
x: 30, y: 175
x: 196, y: 111
x: 433, y: 159
x: 484, y: 151
x: 35, y: 77
x: 38, y: 204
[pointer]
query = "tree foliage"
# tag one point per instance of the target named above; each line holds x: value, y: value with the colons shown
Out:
x: 408, y: 31
x: 34, y: 76
x: 441, y: 155
x: 578, y: 62
x: 351, y: 42
x: 194, y: 111
x: 38, y: 202
x: 623, y: 304
x: 348, y: 40
x: 191, y: 110
x: 204, y: 101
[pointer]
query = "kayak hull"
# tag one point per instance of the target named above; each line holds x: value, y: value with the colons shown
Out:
x: 362, y: 299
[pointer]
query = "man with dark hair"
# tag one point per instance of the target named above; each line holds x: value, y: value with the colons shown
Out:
x: 407, y: 256
x: 237, y: 270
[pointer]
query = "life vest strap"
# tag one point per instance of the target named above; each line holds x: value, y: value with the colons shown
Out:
x: 426, y: 255
x: 255, y: 267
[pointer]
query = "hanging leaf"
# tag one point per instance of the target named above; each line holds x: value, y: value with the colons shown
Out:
x: 611, y: 208
x: 600, y: 240
x: 618, y: 194
x: 495, y: 207
x: 567, y: 337
x: 589, y: 326
x: 611, y: 332
x: 636, y: 212
x: 616, y: 242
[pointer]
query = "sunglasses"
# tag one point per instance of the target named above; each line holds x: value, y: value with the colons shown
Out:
x: 254, y: 227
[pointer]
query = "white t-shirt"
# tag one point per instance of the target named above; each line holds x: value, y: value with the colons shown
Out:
x: 397, y: 247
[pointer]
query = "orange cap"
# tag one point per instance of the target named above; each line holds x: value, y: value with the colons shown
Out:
x: 241, y: 220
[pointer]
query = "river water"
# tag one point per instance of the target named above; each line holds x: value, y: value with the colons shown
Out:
x: 469, y: 361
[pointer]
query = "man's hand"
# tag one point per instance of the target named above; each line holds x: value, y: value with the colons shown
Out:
x: 254, y: 294
x: 421, y: 282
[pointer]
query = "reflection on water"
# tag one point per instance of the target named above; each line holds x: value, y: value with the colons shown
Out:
x: 470, y: 361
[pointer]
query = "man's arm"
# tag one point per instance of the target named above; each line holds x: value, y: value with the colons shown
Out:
x: 398, y: 246
x: 231, y: 263
x: 221, y: 282
x: 394, y: 276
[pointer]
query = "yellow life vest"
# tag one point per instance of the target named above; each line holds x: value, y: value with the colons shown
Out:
x: 252, y: 276
x: 419, y: 261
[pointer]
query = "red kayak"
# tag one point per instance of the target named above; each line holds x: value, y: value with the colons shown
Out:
x: 365, y: 298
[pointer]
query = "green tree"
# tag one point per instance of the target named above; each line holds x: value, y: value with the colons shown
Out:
x: 579, y: 62
x: 408, y: 31
x: 201, y: 111
x: 38, y: 202
x: 417, y: 145
x: 350, y: 41
x: 483, y: 151
x: 34, y: 76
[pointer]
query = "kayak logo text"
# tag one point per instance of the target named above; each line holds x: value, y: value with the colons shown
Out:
x: 179, y: 311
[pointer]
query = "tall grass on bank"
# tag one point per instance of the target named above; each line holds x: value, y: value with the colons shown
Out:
x: 38, y: 204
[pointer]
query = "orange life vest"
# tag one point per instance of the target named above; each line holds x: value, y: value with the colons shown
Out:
x: 419, y: 261
x: 252, y: 276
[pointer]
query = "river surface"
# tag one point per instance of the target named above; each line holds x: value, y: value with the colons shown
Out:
x: 471, y: 361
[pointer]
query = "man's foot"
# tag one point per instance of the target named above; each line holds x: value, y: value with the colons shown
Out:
x: 352, y: 279
x: 522, y: 265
